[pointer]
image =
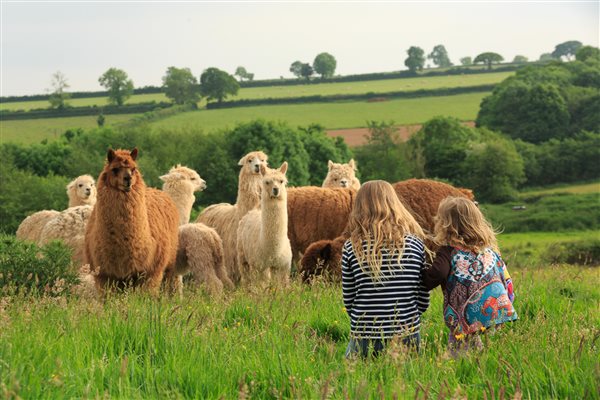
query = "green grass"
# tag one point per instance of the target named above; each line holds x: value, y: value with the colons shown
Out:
x: 574, y: 189
x: 290, y: 344
x: 325, y: 89
x: 34, y: 130
x: 334, y: 115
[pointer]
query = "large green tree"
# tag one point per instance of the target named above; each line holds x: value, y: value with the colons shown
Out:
x: 519, y: 59
x: 118, y: 85
x: 488, y: 58
x: 439, y: 56
x: 466, y: 61
x: 58, y: 97
x: 324, y: 65
x: 216, y: 84
x: 181, y: 86
x: 243, y: 74
x: 296, y: 68
x: 566, y: 49
x: 587, y: 52
x: 416, y: 59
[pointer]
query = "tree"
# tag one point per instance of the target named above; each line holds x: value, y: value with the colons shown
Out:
x: 181, y: 86
x: 217, y: 85
x: 587, y: 52
x: 488, y: 58
x: 416, y: 59
x: 324, y: 65
x: 243, y: 74
x: 58, y: 98
x: 296, y: 68
x: 566, y: 49
x: 545, y: 57
x: 119, y: 86
x: 466, y: 61
x: 439, y: 56
x: 519, y: 59
x: 306, y: 71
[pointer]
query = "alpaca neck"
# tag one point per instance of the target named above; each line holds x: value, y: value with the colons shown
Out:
x: 274, y: 218
x: 248, y: 197
x: 183, y: 197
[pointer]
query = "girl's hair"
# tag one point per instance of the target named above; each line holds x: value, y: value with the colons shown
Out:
x: 379, y: 218
x: 460, y: 223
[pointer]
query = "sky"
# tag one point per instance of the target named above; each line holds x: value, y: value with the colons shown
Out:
x: 82, y: 39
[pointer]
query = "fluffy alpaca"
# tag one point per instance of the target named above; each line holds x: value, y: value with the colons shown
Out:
x: 341, y: 175
x: 315, y: 214
x: 421, y: 198
x: 81, y: 191
x: 131, y: 236
x: 200, y: 248
x: 264, y: 251
x: 181, y: 183
x: 224, y: 218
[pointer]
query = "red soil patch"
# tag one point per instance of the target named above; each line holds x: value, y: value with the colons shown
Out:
x: 357, y: 136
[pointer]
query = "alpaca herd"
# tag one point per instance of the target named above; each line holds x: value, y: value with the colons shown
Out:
x: 128, y: 234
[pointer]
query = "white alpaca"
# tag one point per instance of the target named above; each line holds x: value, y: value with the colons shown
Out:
x: 341, y: 175
x: 200, y: 249
x: 81, y: 192
x: 224, y: 218
x: 264, y: 251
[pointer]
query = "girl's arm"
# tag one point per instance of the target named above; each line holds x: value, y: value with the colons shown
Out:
x: 507, y: 279
x: 437, y: 273
x: 348, y: 281
x: 423, y: 293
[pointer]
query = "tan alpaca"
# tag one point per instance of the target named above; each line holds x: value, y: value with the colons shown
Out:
x: 224, y: 217
x: 200, y: 248
x: 81, y: 192
x: 341, y: 175
x: 131, y: 236
x: 264, y: 252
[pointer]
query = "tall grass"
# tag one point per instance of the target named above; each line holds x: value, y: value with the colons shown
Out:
x: 290, y: 344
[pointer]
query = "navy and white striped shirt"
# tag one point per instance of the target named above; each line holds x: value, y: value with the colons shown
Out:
x: 392, y: 305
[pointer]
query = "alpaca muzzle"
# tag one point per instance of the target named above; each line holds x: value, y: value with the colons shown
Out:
x: 275, y: 192
x: 344, y: 183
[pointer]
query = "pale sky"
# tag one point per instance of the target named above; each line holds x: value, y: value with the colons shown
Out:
x: 82, y: 39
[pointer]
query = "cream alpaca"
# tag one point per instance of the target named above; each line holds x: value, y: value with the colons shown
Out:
x: 341, y: 175
x: 181, y: 183
x: 264, y: 251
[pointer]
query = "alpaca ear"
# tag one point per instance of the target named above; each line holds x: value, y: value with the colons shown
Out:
x: 110, y: 155
x: 242, y: 160
x: 134, y: 153
x: 283, y: 168
x: 164, y: 178
x: 329, y: 164
x: 326, y: 252
x: 352, y: 164
x: 263, y: 169
x: 71, y: 185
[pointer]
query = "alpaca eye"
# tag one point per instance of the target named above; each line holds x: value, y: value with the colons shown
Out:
x: 80, y: 185
x: 115, y: 171
x: 335, y: 179
x: 193, y: 179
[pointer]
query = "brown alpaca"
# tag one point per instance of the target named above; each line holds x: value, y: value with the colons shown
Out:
x: 421, y: 197
x: 131, y: 236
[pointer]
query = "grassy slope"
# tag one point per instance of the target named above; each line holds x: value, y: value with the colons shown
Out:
x: 291, y: 343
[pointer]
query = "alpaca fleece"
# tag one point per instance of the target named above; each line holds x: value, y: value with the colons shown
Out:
x: 131, y: 235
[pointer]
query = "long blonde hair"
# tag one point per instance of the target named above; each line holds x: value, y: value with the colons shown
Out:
x: 460, y: 223
x: 379, y: 218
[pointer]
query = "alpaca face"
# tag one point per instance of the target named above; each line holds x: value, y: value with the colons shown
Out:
x: 253, y: 161
x: 274, y: 181
x: 121, y: 170
x: 340, y: 175
x: 179, y: 173
x: 84, y: 187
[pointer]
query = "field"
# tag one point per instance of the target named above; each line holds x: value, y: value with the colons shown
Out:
x: 578, y: 189
x: 381, y: 86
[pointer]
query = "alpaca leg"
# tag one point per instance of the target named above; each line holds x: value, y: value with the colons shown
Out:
x: 220, y: 272
x: 203, y: 270
x: 153, y: 282
x: 173, y: 282
x: 281, y: 277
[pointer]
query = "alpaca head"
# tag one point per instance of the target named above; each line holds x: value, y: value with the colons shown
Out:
x: 274, y: 182
x: 184, y: 175
x: 323, y: 258
x: 82, y: 190
x: 121, y: 169
x: 251, y: 162
x: 340, y: 175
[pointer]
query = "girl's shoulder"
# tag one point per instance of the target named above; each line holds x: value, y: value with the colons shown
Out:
x: 411, y: 240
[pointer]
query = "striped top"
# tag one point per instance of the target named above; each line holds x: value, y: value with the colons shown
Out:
x: 392, y: 305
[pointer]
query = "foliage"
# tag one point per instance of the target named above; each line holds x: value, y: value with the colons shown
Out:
x: 118, y: 85
x: 296, y: 68
x: 415, y: 59
x: 217, y: 85
x: 584, y: 252
x: 58, y: 98
x: 546, y: 57
x: 181, y: 86
x: 439, y: 56
x: 243, y: 74
x: 566, y: 49
x: 27, y: 268
x: 466, y: 60
x: 585, y: 53
x: 519, y: 59
x: 488, y: 58
x: 324, y: 65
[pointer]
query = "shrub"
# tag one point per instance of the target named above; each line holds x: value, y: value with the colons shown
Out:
x: 583, y: 252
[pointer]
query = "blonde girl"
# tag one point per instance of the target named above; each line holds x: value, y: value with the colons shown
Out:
x: 477, y: 288
x: 382, y: 266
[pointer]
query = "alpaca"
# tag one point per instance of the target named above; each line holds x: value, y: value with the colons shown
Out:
x: 224, y: 218
x: 264, y: 252
x: 80, y: 191
x: 131, y: 236
x: 200, y: 248
x: 421, y: 198
x: 341, y: 175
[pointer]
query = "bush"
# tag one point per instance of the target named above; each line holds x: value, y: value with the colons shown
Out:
x: 584, y: 252
x: 31, y: 269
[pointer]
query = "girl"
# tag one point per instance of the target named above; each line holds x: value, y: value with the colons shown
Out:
x: 478, y: 291
x: 382, y: 264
